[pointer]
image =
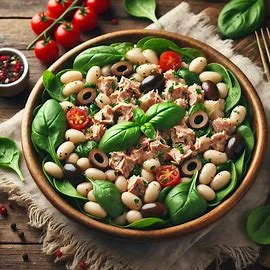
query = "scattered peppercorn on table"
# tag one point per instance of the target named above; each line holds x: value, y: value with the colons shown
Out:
x: 20, y: 247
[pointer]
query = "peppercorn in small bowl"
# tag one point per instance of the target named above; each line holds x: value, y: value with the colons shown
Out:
x: 14, y: 72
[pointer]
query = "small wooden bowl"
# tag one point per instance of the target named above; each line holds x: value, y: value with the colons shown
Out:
x: 259, y: 124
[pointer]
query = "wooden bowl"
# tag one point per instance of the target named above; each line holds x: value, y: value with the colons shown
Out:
x: 259, y: 124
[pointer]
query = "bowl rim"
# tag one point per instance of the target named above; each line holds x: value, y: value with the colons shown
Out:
x: 259, y: 122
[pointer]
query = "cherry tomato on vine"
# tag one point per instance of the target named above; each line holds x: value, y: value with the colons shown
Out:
x: 170, y: 60
x: 57, y: 7
x: 46, y: 50
x: 85, y: 19
x: 168, y: 175
x: 40, y: 22
x: 77, y: 118
x: 100, y: 6
x: 67, y: 35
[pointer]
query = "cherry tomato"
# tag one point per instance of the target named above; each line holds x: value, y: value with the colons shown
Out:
x: 170, y: 60
x: 67, y: 35
x: 40, y: 22
x: 46, y: 50
x: 57, y: 7
x: 85, y: 19
x: 77, y: 118
x: 100, y: 6
x: 168, y: 175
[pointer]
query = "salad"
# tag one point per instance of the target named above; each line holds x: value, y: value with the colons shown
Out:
x: 146, y: 135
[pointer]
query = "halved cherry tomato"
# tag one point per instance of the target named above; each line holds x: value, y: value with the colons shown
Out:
x: 46, y: 50
x: 40, y: 22
x: 168, y: 175
x: 57, y: 7
x: 77, y: 118
x: 170, y: 60
x: 67, y: 35
x: 85, y: 19
x: 100, y: 6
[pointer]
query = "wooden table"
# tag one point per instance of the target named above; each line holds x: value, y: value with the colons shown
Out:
x: 15, y: 32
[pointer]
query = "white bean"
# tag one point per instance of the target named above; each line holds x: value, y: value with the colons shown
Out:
x: 215, y: 157
x: 75, y: 136
x: 53, y: 170
x: 136, y: 56
x: 152, y: 192
x: 71, y: 76
x: 222, y: 89
x: 94, y: 209
x: 185, y: 179
x: 198, y: 64
x: 83, y: 163
x: 121, y: 220
x: 210, y: 76
x: 72, y: 88
x: 84, y: 188
x: 146, y: 69
x: 121, y: 183
x: 220, y: 180
x: 146, y: 175
x: 66, y: 105
x: 137, y: 77
x: 133, y: 215
x: 106, y: 70
x: 111, y: 175
x: 206, y: 192
x: 150, y: 56
x: 131, y: 201
x: 238, y: 115
x: 151, y: 164
x: 95, y: 174
x: 72, y: 158
x: 93, y: 74
x: 102, y: 100
x: 65, y: 149
x: 207, y: 173
x: 91, y: 196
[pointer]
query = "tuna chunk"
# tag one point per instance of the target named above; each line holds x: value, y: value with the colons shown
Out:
x: 182, y: 134
x: 95, y: 132
x: 171, y: 75
x: 215, y: 108
x: 181, y: 102
x: 174, y: 90
x: 107, y: 84
x: 223, y: 124
x: 219, y: 141
x: 137, y: 185
x: 202, y: 144
x: 125, y: 110
x: 104, y: 116
x: 149, y: 99
x: 179, y: 154
x: 127, y: 85
x: 195, y: 94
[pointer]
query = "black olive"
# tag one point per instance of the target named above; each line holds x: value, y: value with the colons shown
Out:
x: 210, y: 90
x: 122, y: 68
x: 156, y: 209
x: 73, y: 173
x: 235, y: 146
x: 153, y: 82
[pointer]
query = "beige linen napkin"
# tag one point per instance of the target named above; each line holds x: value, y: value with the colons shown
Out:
x: 195, y: 251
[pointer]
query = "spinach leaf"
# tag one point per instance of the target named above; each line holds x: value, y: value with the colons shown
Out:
x: 120, y: 137
x: 163, y: 194
x: 240, y: 165
x: 240, y: 18
x: 148, y: 223
x: 141, y: 42
x: 165, y: 115
x: 10, y: 155
x: 184, y: 202
x: 122, y: 47
x: 188, y: 54
x: 142, y: 9
x: 96, y: 56
x: 190, y: 77
x: 148, y: 130
x: 248, y: 135
x: 196, y: 107
x: 258, y: 225
x: 160, y: 45
x: 48, y: 128
x: 83, y: 149
x: 109, y: 197
x: 139, y: 116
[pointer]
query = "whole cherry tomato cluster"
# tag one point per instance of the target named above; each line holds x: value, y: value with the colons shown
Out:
x: 83, y: 17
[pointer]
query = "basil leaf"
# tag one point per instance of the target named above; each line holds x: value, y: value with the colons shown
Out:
x: 148, y: 223
x: 139, y: 116
x: 49, y: 127
x: 190, y: 77
x: 142, y: 9
x: 148, y: 130
x: 240, y: 18
x: 96, y: 56
x: 184, y: 202
x: 258, y: 225
x: 10, y: 155
x: 122, y: 47
x: 120, y: 137
x: 109, y: 197
x: 85, y: 148
x: 93, y: 109
x: 164, y: 115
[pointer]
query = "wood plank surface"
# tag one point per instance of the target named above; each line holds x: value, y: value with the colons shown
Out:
x: 15, y: 32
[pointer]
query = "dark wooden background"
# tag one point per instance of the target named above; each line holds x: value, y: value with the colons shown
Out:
x: 15, y: 32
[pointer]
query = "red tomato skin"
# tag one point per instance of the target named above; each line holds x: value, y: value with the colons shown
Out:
x: 40, y: 22
x: 100, y: 6
x: 85, y: 19
x: 172, y: 175
x: 67, y: 35
x: 46, y: 51
x: 57, y: 7
x: 170, y: 60
x: 77, y: 113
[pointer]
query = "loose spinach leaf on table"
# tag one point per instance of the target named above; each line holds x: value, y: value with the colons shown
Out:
x: 48, y: 128
x: 10, y: 155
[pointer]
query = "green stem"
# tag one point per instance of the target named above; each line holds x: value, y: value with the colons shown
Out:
x: 71, y: 7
